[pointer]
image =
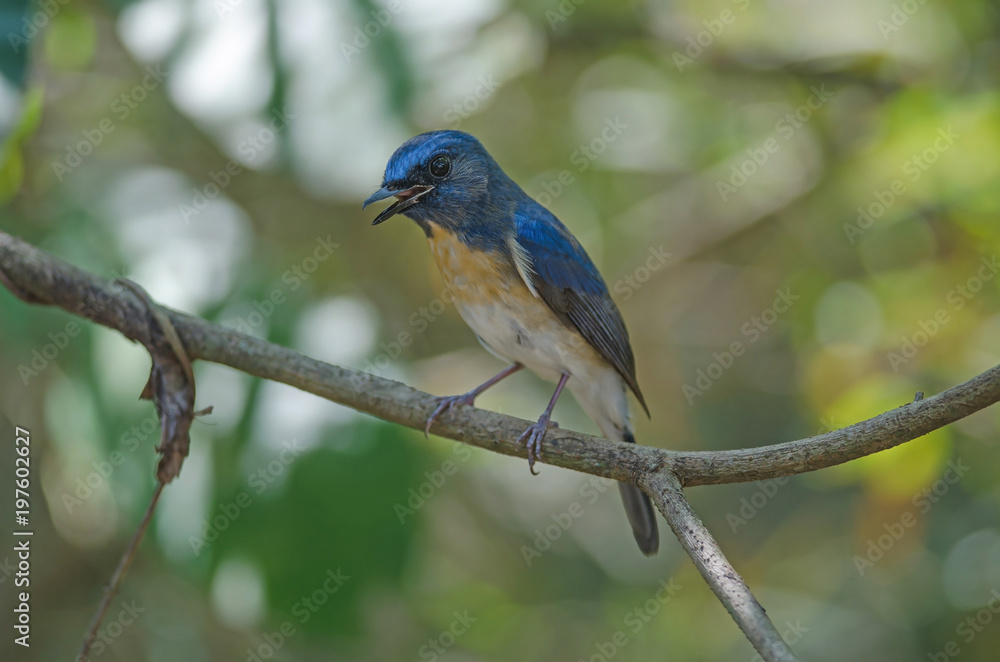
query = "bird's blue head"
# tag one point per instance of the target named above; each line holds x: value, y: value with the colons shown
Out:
x: 445, y: 177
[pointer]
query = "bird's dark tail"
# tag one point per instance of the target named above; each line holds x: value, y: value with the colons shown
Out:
x: 641, y: 514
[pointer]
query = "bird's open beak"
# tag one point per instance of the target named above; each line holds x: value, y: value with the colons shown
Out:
x: 405, y: 198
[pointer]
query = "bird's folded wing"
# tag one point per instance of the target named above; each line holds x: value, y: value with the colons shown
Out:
x: 556, y: 268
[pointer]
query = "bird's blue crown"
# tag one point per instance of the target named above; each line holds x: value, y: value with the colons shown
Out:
x: 449, y: 179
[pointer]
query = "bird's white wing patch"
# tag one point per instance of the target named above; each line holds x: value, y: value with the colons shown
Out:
x: 522, y: 261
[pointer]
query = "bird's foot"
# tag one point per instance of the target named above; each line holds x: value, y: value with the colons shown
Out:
x: 532, y: 438
x: 446, y: 402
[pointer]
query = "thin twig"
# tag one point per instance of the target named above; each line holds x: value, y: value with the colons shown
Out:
x: 119, y: 575
x: 665, y: 490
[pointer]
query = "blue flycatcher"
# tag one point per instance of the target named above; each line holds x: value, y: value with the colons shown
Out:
x: 525, y: 286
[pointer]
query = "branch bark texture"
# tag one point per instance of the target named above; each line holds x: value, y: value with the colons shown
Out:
x: 37, y: 277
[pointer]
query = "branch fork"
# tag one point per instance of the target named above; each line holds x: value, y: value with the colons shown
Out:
x: 174, y: 340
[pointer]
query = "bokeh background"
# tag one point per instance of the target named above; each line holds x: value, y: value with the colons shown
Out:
x: 795, y: 204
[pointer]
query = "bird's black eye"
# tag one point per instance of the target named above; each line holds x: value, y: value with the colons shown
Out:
x: 440, y: 165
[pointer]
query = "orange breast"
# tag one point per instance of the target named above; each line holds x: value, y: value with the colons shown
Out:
x: 474, y: 277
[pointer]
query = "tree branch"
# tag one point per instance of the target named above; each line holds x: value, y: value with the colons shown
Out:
x: 48, y: 280
x: 40, y: 278
x: 665, y: 490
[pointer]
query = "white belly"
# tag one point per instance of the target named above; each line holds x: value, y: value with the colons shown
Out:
x: 517, y: 326
x: 550, y: 350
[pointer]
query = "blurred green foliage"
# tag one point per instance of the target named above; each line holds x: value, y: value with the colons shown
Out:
x: 822, y: 178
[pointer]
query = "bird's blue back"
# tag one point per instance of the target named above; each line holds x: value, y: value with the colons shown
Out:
x: 486, y: 209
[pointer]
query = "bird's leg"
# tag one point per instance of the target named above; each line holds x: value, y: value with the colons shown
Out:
x: 536, y: 432
x: 448, y: 401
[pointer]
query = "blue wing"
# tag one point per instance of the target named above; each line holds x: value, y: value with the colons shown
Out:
x: 569, y: 283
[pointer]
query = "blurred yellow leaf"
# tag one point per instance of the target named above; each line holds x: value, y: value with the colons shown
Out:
x: 895, y: 474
